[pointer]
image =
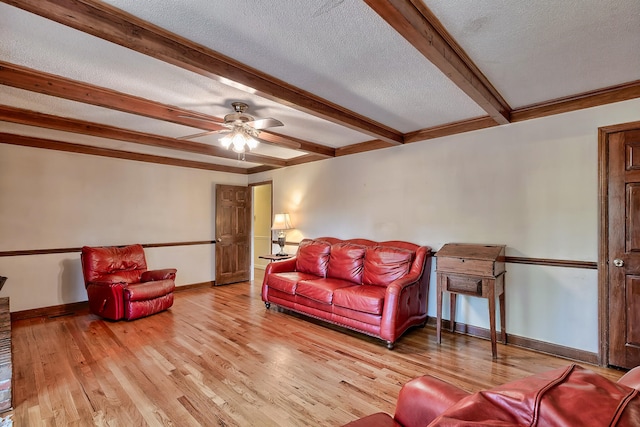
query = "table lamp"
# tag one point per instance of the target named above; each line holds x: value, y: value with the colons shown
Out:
x: 281, y: 222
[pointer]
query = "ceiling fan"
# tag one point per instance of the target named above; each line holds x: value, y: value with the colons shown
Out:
x: 242, y: 129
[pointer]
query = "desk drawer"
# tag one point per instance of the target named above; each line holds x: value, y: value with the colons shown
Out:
x: 463, y: 285
x: 468, y: 266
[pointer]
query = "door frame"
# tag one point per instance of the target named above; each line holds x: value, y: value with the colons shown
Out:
x: 603, y: 235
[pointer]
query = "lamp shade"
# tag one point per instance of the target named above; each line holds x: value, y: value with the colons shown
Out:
x: 281, y: 221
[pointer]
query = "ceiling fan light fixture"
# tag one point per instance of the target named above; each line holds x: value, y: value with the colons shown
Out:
x: 239, y: 140
x: 252, y: 142
x: 226, y: 141
x: 242, y: 130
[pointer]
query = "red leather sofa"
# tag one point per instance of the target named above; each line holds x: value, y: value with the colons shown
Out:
x: 119, y: 286
x: 377, y: 288
x: 569, y: 396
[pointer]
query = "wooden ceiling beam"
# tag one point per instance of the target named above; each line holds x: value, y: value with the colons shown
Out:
x: 450, y: 129
x: 48, y: 121
x: 422, y: 135
x: 307, y: 158
x: 608, y: 95
x: 298, y: 144
x: 416, y: 23
x: 114, y: 25
x: 49, y: 144
x: 61, y: 87
x: 362, y: 147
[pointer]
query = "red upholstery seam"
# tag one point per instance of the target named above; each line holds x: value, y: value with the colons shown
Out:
x: 622, y: 406
x: 542, y: 391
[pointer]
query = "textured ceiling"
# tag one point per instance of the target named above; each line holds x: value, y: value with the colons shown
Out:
x: 354, y: 74
x: 534, y: 51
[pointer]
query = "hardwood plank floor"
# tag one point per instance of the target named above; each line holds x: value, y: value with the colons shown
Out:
x: 219, y: 358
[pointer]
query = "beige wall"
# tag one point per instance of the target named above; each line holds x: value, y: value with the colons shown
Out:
x: 51, y: 199
x: 532, y: 186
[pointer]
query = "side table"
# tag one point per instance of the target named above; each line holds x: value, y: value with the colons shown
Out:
x: 473, y: 270
x: 274, y: 257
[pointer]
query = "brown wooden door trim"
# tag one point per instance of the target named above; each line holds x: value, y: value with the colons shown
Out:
x: 603, y: 236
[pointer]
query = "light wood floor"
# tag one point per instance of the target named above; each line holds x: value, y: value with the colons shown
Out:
x: 219, y: 358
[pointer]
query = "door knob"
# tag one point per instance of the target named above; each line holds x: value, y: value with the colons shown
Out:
x: 218, y: 240
x: 618, y: 262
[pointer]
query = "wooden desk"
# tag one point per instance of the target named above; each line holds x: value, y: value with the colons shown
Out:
x: 274, y: 257
x: 474, y: 270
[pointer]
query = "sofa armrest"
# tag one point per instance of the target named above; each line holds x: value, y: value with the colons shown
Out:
x: 281, y: 266
x: 423, y: 399
x: 153, y: 275
x: 398, y: 285
x: 276, y: 267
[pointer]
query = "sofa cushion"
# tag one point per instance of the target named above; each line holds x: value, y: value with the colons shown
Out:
x: 346, y: 262
x: 313, y: 257
x: 365, y: 298
x: 384, y: 264
x: 287, y: 282
x: 321, y: 289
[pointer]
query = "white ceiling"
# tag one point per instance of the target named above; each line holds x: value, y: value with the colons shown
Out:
x: 343, y: 51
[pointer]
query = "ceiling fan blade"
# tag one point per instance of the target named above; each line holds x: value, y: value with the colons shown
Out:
x: 284, y: 144
x: 265, y: 123
x: 197, y: 135
x: 216, y: 121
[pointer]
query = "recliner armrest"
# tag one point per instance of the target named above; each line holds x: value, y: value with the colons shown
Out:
x: 423, y: 399
x: 153, y: 275
x: 105, y: 299
x: 379, y: 419
x: 631, y: 378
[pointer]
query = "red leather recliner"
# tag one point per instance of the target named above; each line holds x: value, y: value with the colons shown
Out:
x: 569, y: 396
x: 119, y: 286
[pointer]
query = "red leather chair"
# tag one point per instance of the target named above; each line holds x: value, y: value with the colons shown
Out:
x: 568, y: 396
x: 119, y: 286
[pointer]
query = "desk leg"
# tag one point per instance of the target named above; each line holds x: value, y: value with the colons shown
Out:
x: 491, y: 286
x: 503, y: 311
x: 440, y: 278
x: 453, y: 298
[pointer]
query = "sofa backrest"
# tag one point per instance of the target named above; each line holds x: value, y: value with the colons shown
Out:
x: 113, y: 264
x: 384, y: 264
x: 313, y: 257
x: 363, y: 261
x: 346, y: 262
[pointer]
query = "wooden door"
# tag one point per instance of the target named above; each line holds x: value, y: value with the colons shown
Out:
x: 233, y: 234
x: 624, y: 248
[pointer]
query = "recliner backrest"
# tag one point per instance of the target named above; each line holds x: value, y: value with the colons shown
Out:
x: 113, y: 264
